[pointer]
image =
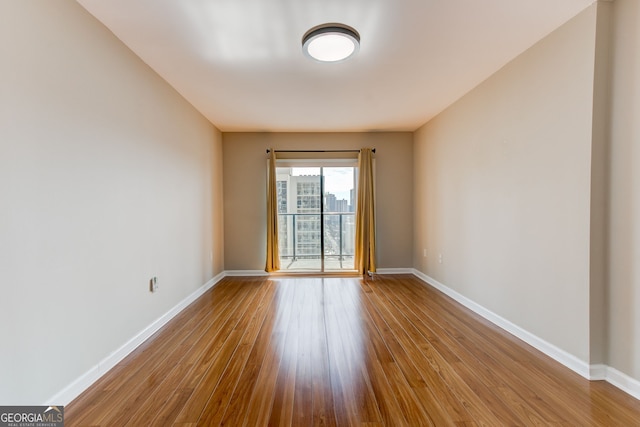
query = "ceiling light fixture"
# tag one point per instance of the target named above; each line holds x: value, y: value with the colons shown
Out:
x: 331, y: 42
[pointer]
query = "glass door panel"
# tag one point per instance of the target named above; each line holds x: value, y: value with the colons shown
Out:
x: 299, y: 215
x: 339, y: 217
x: 316, y: 218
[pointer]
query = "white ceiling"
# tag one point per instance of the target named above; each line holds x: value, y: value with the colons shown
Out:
x: 240, y: 62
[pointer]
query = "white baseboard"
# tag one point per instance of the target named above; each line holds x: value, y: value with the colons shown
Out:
x: 623, y: 381
x: 73, y: 390
x: 394, y: 271
x: 590, y: 372
x: 547, y: 348
x: 598, y: 372
x: 593, y: 372
x: 237, y: 273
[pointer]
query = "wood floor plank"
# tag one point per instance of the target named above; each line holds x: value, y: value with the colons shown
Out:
x: 443, y: 408
x: 455, y: 334
x: 282, y: 408
x: 258, y: 410
x: 344, y: 385
x: 322, y: 399
x: 347, y: 352
x: 216, y: 406
x: 304, y: 351
x: 469, y: 366
x: 384, y: 389
x: 135, y: 363
x: 142, y: 397
x: 476, y: 363
x: 302, y: 413
x: 225, y: 344
x: 234, y: 412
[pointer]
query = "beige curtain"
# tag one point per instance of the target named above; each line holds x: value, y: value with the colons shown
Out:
x: 273, y: 257
x: 365, y: 251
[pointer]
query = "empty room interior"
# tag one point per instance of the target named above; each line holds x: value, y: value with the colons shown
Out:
x: 203, y: 222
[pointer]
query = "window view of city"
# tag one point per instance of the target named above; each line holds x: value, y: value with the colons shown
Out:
x: 316, y: 218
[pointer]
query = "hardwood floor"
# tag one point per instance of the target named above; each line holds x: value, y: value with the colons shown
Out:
x: 387, y: 351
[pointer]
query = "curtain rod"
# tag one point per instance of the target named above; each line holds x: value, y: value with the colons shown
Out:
x: 317, y: 151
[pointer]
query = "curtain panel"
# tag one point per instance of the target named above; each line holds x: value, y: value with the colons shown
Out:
x: 273, y: 257
x: 365, y: 247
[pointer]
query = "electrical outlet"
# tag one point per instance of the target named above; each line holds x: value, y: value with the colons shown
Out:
x: 440, y: 258
x: 424, y: 253
x: 153, y: 284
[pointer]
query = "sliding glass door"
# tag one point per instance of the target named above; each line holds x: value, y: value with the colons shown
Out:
x: 316, y: 215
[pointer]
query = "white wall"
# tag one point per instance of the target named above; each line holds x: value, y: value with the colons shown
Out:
x: 624, y: 202
x: 502, y: 189
x: 107, y: 178
x: 528, y: 186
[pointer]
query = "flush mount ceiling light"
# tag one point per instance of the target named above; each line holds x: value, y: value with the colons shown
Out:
x: 331, y: 42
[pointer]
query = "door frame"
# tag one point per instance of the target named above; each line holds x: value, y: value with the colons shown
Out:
x: 321, y: 164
